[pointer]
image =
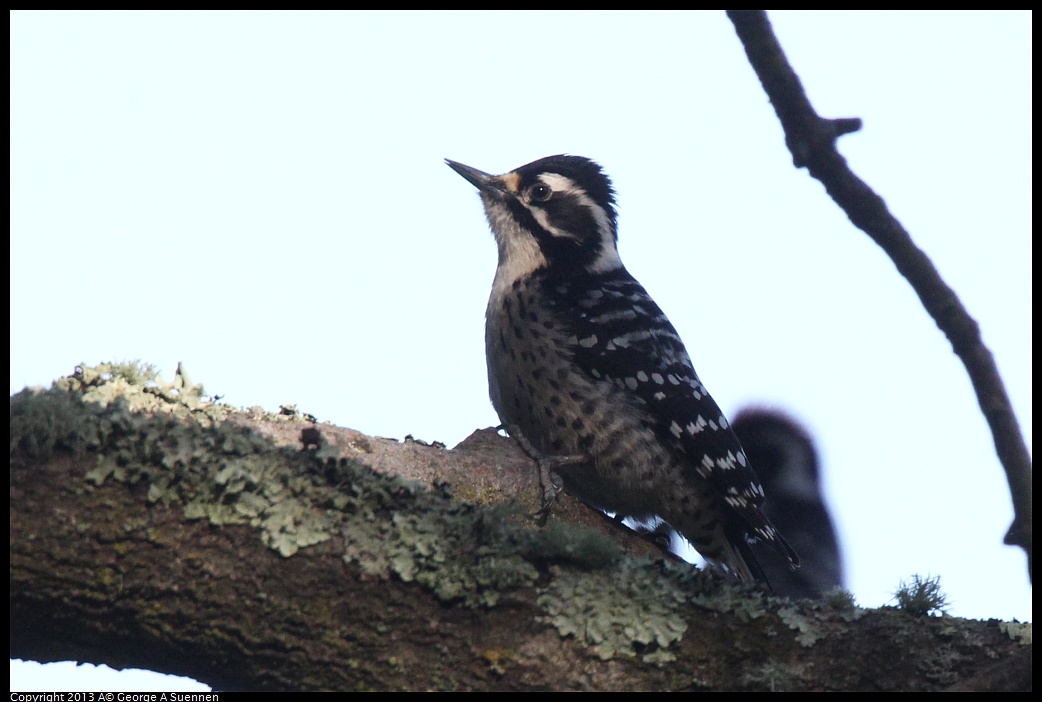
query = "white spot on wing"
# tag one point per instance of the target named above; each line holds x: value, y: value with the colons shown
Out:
x: 625, y: 314
x: 626, y: 339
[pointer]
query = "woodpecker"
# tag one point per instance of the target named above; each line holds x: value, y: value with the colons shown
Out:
x: 583, y: 364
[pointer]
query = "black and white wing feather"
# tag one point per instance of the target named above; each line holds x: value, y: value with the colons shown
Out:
x: 623, y: 337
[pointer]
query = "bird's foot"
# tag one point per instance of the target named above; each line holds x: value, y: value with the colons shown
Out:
x: 548, y: 467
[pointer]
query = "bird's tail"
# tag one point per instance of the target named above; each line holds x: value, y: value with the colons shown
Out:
x: 746, y: 567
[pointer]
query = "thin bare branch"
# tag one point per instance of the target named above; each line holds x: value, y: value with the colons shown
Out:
x: 812, y: 141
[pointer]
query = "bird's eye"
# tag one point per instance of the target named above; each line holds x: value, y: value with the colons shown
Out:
x: 540, y: 193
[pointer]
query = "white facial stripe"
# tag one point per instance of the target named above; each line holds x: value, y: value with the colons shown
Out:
x: 561, y: 184
x: 543, y: 217
x: 608, y: 260
x: 519, y: 254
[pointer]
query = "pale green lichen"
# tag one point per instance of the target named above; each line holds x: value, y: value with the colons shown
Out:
x: 807, y: 631
x: 1017, y: 631
x: 808, y: 619
x: 629, y: 610
x: 140, y: 385
x: 170, y: 436
x: 178, y: 442
x: 733, y: 600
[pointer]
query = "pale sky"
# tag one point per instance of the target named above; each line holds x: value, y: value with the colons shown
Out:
x: 262, y: 197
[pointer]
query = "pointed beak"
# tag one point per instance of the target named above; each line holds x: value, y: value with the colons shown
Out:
x: 484, y: 182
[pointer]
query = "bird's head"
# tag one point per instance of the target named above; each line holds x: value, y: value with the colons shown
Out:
x: 557, y: 213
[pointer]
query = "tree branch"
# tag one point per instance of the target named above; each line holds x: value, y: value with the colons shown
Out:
x: 151, y: 528
x: 812, y: 141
